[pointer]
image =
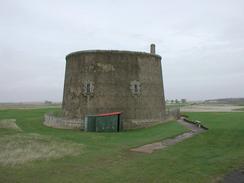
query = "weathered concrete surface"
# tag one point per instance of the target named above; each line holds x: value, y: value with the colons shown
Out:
x: 110, y: 74
x: 150, y: 148
x: 64, y: 123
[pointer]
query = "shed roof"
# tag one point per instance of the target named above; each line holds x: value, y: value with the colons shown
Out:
x: 109, y: 114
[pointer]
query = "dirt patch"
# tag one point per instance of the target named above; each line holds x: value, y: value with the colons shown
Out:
x: 21, y: 148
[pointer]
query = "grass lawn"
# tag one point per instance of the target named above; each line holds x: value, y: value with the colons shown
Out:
x: 104, y: 157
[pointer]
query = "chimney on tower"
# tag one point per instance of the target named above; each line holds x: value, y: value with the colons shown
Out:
x: 152, y: 49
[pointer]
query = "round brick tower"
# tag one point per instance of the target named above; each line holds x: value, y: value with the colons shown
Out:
x: 99, y: 81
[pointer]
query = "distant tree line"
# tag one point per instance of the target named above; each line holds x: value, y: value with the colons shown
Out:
x: 176, y: 101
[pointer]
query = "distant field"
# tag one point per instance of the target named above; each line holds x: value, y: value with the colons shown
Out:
x: 239, y: 109
x: 210, y: 108
x: 206, y: 107
x: 31, y: 105
x: 105, y: 157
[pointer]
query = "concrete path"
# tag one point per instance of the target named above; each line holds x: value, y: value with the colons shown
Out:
x: 236, y: 176
x: 149, y: 148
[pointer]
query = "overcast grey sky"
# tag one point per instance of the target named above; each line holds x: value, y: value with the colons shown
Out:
x: 201, y: 43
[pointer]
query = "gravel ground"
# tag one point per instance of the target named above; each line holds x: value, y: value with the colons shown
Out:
x: 236, y: 176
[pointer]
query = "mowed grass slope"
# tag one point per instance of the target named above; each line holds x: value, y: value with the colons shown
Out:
x: 99, y: 150
x: 106, y: 157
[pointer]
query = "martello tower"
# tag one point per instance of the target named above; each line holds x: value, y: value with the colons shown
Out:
x: 102, y: 81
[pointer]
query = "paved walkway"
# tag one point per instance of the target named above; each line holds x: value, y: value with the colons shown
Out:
x: 236, y: 176
x: 149, y: 148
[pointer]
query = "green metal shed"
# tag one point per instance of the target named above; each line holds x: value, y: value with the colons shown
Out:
x: 108, y: 122
x: 90, y: 123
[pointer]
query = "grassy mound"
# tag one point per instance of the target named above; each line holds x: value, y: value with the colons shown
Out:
x: 21, y: 148
x: 9, y: 124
